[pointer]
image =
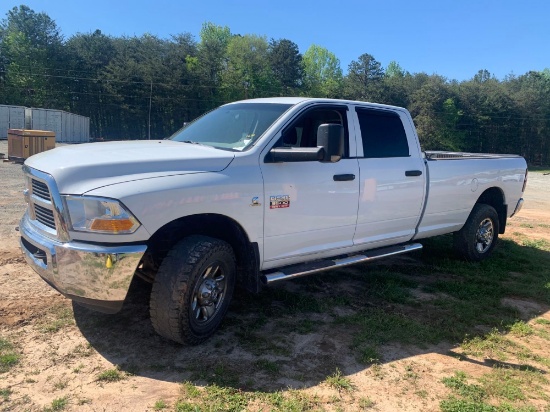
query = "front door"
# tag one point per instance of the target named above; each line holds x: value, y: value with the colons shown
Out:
x: 310, y: 206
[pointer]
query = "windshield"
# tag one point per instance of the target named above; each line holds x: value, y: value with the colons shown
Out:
x: 234, y: 126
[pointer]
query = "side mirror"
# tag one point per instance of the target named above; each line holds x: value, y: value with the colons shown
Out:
x: 331, y: 138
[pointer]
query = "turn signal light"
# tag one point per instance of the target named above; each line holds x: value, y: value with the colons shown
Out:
x: 112, y: 225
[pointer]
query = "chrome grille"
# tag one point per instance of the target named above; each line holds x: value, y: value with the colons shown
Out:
x: 44, y: 216
x: 40, y: 189
x: 45, y: 205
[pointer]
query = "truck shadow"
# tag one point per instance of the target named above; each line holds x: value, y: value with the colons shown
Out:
x: 297, y: 333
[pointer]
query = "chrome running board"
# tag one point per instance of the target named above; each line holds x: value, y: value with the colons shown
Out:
x: 302, y: 269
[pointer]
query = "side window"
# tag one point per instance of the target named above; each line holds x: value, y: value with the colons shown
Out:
x: 303, y: 131
x: 382, y: 133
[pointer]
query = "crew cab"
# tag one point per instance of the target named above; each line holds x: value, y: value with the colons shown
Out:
x: 251, y: 193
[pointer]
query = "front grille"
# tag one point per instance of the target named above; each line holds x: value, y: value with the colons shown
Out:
x: 40, y: 189
x: 45, y: 205
x: 44, y: 216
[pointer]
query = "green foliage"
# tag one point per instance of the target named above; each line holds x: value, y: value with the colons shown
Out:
x: 322, y: 72
x: 521, y: 328
x: 369, y: 355
x: 364, y: 79
x: 504, y: 385
x: 459, y: 385
x: 58, y: 404
x: 160, y: 405
x: 378, y: 326
x: 8, y: 356
x: 339, y: 381
x: 5, y: 394
x: 110, y: 375
x: 248, y: 72
x: 286, y: 65
x: 394, y: 70
x: 57, y: 318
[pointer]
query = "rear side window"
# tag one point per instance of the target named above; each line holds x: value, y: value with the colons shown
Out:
x: 383, y: 133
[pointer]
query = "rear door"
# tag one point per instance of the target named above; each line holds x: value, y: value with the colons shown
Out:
x: 391, y: 177
x: 310, y: 206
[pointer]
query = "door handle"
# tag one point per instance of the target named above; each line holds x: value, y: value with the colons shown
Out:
x: 413, y: 172
x: 344, y: 177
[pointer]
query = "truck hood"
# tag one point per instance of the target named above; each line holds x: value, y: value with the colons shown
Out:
x: 78, y: 169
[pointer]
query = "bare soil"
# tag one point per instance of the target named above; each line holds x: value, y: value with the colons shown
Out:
x: 64, y: 349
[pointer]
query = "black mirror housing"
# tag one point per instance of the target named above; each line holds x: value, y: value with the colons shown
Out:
x: 295, y: 154
x: 331, y: 138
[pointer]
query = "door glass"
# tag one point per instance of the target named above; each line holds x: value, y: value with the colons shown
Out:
x: 382, y: 133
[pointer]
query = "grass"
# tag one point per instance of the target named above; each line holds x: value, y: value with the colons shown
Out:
x: 58, y: 317
x: 521, y: 329
x: 369, y: 355
x: 217, y: 398
x: 459, y: 385
x: 8, y: 356
x: 5, y: 394
x: 366, y: 403
x: 82, y: 350
x: 492, y: 345
x: 110, y: 375
x: 339, y: 382
x: 58, y: 404
x: 160, y: 405
x: 267, y: 366
x: 60, y: 384
x: 503, y: 386
x: 377, y: 326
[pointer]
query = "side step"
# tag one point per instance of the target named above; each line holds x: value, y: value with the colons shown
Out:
x: 302, y: 269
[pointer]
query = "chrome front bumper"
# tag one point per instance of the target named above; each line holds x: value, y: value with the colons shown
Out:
x: 96, y: 276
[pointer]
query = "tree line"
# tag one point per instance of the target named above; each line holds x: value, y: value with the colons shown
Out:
x: 146, y: 86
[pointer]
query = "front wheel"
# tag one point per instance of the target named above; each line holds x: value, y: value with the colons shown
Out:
x: 192, y: 289
x: 477, y: 239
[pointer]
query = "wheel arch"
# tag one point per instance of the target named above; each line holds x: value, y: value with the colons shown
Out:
x: 214, y: 225
x: 494, y: 197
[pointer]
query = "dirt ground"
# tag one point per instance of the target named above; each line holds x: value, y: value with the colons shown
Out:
x: 65, y: 351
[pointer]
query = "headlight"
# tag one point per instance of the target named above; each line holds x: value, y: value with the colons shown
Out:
x: 99, y: 215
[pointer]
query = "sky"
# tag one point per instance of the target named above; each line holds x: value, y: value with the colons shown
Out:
x: 452, y: 38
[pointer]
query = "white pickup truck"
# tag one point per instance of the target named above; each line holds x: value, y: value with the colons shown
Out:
x: 251, y: 193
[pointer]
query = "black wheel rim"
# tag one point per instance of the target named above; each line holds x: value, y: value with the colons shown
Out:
x: 209, y: 294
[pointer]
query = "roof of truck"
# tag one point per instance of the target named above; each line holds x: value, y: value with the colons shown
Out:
x: 296, y: 100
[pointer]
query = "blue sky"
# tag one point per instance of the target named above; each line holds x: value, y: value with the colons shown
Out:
x: 453, y: 38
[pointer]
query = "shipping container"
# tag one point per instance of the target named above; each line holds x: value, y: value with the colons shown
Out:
x: 4, y: 121
x: 68, y: 127
x: 11, y: 117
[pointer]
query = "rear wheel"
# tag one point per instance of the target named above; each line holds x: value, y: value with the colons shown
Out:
x: 477, y: 239
x: 192, y: 289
